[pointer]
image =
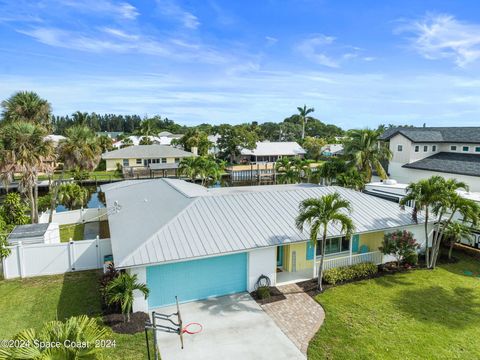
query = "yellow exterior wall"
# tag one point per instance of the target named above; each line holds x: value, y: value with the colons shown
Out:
x: 112, y: 163
x: 301, y: 257
x: 372, y: 240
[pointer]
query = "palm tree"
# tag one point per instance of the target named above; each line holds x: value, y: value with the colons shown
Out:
x: 80, y: 151
x: 367, y: 153
x: 288, y: 173
x: 80, y: 118
x: 146, y: 140
x: 422, y: 195
x: 120, y: 291
x: 351, y: 179
x: 73, y: 330
x: 27, y: 106
x: 72, y: 195
x: 187, y: 167
x: 454, y: 232
x: 329, y: 170
x: 450, y: 203
x: 26, y: 152
x: 318, y: 214
x: 148, y: 127
x: 126, y: 143
x: 303, y: 112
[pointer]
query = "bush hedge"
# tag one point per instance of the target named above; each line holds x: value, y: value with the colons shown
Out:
x: 347, y: 273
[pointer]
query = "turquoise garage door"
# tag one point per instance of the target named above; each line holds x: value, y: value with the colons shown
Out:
x: 196, y: 279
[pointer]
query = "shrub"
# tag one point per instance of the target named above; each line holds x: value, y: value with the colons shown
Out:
x: 348, y: 273
x: 263, y: 292
x: 80, y: 175
x: 399, y: 244
x: 411, y: 258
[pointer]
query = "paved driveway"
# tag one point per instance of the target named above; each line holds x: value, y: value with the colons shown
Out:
x: 234, y: 327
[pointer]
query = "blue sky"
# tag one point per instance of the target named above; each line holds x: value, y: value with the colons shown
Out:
x: 358, y: 63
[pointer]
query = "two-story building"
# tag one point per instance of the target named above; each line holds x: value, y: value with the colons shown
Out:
x: 420, y: 152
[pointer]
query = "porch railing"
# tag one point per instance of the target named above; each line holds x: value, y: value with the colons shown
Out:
x: 375, y: 257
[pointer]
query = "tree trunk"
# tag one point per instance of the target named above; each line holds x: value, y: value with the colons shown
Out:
x: 303, y: 128
x: 30, y: 198
x: 450, y: 250
x: 35, y: 198
x: 53, y: 200
x: 320, y: 267
x: 427, y: 249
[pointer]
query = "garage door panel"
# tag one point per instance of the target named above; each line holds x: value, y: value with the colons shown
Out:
x: 196, y: 279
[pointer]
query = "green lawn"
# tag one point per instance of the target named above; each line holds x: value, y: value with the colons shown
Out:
x: 98, y: 175
x: 417, y: 315
x: 68, y: 232
x: 30, y: 302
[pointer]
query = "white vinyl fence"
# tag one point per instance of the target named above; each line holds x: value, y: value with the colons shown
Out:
x: 50, y: 259
x: 75, y: 216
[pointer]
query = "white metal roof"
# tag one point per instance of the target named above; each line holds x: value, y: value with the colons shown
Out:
x: 266, y: 148
x: 167, y: 220
x: 146, y: 151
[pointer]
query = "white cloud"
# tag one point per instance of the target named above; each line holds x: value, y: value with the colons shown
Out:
x: 271, y: 40
x: 121, y: 9
x: 313, y: 49
x: 442, y: 36
x: 171, y: 9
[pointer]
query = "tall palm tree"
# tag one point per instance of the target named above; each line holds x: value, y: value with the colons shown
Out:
x: 351, y: 179
x: 72, y: 195
x: 148, y: 127
x: 120, y: 291
x: 318, y: 214
x: 287, y: 172
x: 423, y: 195
x: 329, y: 170
x: 73, y: 330
x: 27, y: 106
x: 80, y: 151
x: 26, y: 152
x: 367, y: 153
x: 450, y: 204
x: 303, y: 112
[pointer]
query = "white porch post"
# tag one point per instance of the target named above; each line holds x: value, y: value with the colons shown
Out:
x: 350, y: 251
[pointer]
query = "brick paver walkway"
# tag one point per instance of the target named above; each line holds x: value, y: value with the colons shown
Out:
x: 299, y: 316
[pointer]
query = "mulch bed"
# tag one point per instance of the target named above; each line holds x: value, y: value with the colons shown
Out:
x: 118, y: 325
x: 275, y: 295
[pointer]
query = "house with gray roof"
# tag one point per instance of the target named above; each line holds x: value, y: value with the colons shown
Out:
x: 420, y: 152
x: 185, y: 240
x: 159, y: 157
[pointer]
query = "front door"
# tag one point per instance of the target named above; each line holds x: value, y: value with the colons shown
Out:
x: 279, y: 256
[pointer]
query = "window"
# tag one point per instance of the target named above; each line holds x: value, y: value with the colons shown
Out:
x: 177, y: 160
x: 466, y: 148
x: 453, y: 148
x: 425, y: 148
x: 434, y: 148
x: 125, y: 162
x: 399, y: 147
x: 417, y: 148
x: 164, y: 160
x: 333, y: 245
x: 477, y: 149
x: 138, y: 161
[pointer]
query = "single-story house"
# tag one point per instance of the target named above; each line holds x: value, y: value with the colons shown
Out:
x: 47, y: 233
x: 267, y: 151
x: 144, y: 156
x: 185, y: 240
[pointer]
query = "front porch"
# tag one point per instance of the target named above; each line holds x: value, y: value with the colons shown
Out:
x: 299, y: 262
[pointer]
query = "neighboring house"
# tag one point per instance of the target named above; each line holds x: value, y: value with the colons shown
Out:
x: 146, y: 156
x: 163, y: 138
x: 185, y: 240
x: 420, y: 152
x: 111, y: 134
x: 267, y: 151
x: 332, y: 150
x: 48, y: 233
x: 213, y: 150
